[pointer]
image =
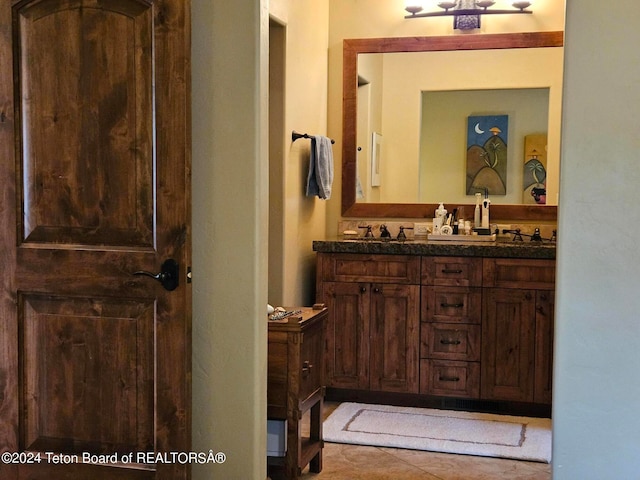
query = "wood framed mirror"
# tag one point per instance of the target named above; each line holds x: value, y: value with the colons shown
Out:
x: 353, y: 47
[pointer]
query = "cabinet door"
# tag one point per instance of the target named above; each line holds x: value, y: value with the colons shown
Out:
x: 508, y: 335
x: 544, y: 346
x: 395, y: 322
x: 347, y: 334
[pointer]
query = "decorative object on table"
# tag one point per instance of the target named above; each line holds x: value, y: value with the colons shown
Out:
x: 447, y: 431
x: 535, y: 170
x: 487, y: 140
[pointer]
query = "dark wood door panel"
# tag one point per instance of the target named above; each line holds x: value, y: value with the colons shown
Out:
x: 395, y: 338
x: 95, y: 175
x: 85, y: 103
x: 64, y: 271
x: 545, y: 302
x: 508, y: 344
x: 86, y: 374
x: 347, y: 339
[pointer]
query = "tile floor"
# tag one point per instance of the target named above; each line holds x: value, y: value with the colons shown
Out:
x: 354, y: 462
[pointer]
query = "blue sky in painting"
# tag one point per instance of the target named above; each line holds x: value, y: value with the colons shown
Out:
x: 484, y: 123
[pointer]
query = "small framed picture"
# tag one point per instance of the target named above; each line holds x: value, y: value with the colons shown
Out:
x: 376, y: 154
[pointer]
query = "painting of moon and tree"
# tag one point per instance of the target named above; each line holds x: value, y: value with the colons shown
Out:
x: 487, y: 140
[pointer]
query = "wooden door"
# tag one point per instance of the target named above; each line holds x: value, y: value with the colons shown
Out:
x: 95, y: 172
x: 395, y: 338
x: 347, y: 334
x: 508, y: 337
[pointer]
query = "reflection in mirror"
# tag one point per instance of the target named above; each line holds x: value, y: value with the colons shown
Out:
x: 387, y: 91
x: 446, y: 167
x: 399, y: 97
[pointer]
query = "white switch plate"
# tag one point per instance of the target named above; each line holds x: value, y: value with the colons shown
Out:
x: 421, y: 229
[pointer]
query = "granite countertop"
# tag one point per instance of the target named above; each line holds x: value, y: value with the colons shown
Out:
x: 501, y: 248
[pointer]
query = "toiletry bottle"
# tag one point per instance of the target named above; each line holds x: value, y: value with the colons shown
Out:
x: 476, y: 213
x: 486, y: 203
x: 441, y: 212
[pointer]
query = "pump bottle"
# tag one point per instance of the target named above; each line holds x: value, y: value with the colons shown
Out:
x: 476, y: 213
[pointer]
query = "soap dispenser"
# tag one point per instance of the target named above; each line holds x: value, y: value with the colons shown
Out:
x: 441, y: 212
x: 476, y: 213
x: 486, y: 203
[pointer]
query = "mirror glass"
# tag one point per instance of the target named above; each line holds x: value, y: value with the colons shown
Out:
x: 412, y: 100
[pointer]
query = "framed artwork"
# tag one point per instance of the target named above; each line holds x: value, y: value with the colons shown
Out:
x: 534, y: 175
x: 487, y: 140
x: 376, y: 147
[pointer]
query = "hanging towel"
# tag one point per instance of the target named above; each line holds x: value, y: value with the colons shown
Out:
x: 320, y: 175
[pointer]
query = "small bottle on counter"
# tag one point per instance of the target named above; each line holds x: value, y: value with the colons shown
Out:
x: 477, y: 212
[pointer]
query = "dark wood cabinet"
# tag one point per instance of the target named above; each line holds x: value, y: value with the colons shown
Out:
x: 295, y: 387
x: 446, y: 328
x: 508, y: 347
x: 347, y: 343
x: 517, y: 330
x: 545, y: 304
x: 394, y: 339
x: 373, y: 324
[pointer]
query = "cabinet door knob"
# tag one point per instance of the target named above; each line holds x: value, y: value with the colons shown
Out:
x: 376, y: 290
x: 306, y: 367
x: 363, y: 289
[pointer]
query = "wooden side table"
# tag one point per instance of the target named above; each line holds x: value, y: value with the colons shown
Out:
x: 295, y: 386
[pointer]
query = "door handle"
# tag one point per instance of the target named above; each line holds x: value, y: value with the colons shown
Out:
x: 168, y: 276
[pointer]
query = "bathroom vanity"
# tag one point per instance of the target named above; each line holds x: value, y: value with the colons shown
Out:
x: 440, y: 325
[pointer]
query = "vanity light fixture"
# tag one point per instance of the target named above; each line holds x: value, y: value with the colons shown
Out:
x: 466, y: 13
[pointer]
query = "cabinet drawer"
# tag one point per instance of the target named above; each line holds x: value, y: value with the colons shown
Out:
x: 451, y: 304
x: 311, y: 367
x: 452, y: 271
x: 347, y: 267
x: 448, y: 341
x: 450, y: 378
x: 519, y: 273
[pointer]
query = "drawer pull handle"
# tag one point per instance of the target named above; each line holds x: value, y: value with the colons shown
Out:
x: 306, y: 367
x: 449, y: 379
x: 451, y: 271
x: 452, y: 305
x: 450, y: 342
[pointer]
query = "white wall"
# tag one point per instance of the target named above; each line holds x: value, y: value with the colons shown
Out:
x: 230, y: 213
x: 596, y: 387
x: 305, y: 111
